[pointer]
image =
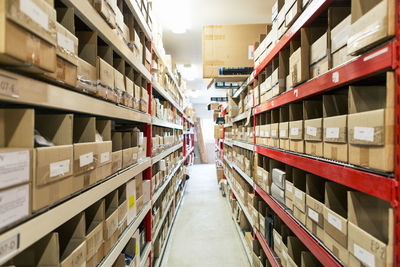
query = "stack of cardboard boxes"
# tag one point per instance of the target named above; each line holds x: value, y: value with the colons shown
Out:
x: 164, y: 138
x: 86, y: 238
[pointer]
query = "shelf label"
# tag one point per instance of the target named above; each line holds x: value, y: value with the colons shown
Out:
x: 377, y: 53
x: 85, y: 159
x: 289, y: 188
x: 364, y: 133
x: 277, y: 239
x: 273, y: 133
x: 284, y: 254
x: 363, y: 255
x: 14, y: 167
x: 9, y: 246
x: 59, y: 168
x: 298, y: 193
x: 104, y: 157
x: 335, y: 77
x: 282, y: 133
x: 294, y: 131
x: 296, y: 92
x: 33, y: 11
x: 14, y: 204
x: 311, y: 131
x: 332, y: 132
x: 335, y: 221
x: 8, y: 86
x: 65, y: 42
x: 313, y: 215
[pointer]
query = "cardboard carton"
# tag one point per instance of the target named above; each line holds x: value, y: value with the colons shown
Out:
x: 371, y: 125
x: 85, y: 146
x: 335, y: 213
x: 131, y: 197
x: 372, y: 22
x: 94, y: 218
x: 337, y: 249
x: 46, y: 251
x: 292, y: 12
x: 111, y: 215
x: 299, y: 182
x: 299, y: 60
x: 370, y: 222
x: 340, y: 57
x: 31, y: 31
x: 72, y: 241
x: 216, y: 40
x: 295, y: 249
x: 340, y: 33
x: 315, y: 204
x: 312, y: 113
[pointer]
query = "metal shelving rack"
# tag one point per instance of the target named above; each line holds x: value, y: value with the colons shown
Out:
x: 383, y: 186
x: 41, y: 94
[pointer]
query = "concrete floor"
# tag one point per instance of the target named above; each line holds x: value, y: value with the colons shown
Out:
x: 204, y: 233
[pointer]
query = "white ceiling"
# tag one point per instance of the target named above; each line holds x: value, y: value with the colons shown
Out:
x: 187, y: 48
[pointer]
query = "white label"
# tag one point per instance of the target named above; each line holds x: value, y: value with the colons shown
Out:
x: 134, y: 156
x: 273, y: 133
x: 313, y: 215
x: 14, y: 205
x: 8, y: 86
x: 282, y: 133
x: 363, y: 255
x: 289, y: 188
x: 335, y: 221
x: 35, y: 13
x: 85, y: 159
x: 378, y: 53
x: 14, y: 168
x: 259, y: 173
x: 335, y: 77
x: 59, y: 168
x: 267, y: 134
x: 364, y: 133
x: 294, y: 131
x: 332, y: 132
x: 284, y: 254
x: 311, y: 131
x: 65, y: 42
x: 104, y: 157
x: 277, y: 239
x: 298, y: 194
x: 9, y: 246
x: 251, y: 52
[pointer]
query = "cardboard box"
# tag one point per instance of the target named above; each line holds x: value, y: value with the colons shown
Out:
x: 85, y: 146
x: 340, y: 34
x: 295, y: 249
x: 131, y: 197
x: 278, y: 193
x: 312, y: 113
x: 44, y: 257
x: 308, y: 259
x: 106, y: 11
x: 335, y: 127
x: 335, y: 212
x: 31, y: 31
x: 218, y: 51
x: 371, y: 23
x: 337, y: 249
x: 122, y: 207
x: 111, y: 215
x: 315, y: 204
x: 299, y: 61
x: 105, y: 76
x: 94, y: 218
x: 86, y: 76
x: 370, y: 222
x: 15, y: 204
x: 293, y: 12
x: 371, y: 125
x: 72, y: 237
x: 340, y: 57
x: 299, y: 182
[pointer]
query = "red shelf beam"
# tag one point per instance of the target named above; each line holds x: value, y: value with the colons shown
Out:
x: 319, y: 252
x: 374, y: 62
x: 309, y: 14
x: 267, y: 250
x: 370, y: 183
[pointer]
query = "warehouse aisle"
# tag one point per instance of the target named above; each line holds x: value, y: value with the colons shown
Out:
x: 204, y: 233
